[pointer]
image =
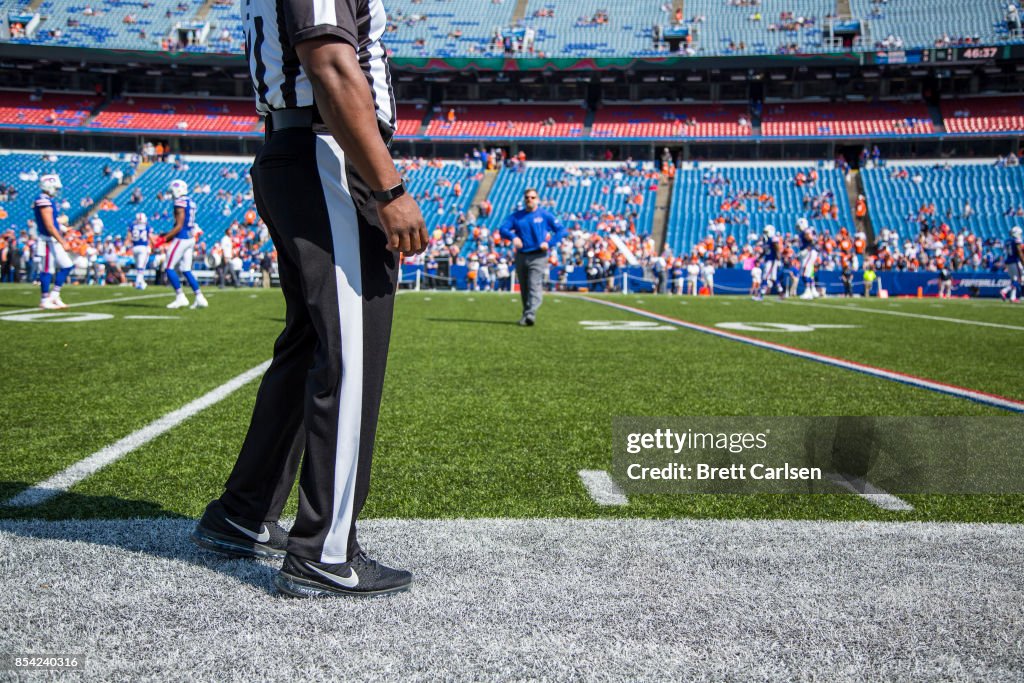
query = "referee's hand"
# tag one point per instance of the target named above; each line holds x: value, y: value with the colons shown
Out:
x: 403, y: 224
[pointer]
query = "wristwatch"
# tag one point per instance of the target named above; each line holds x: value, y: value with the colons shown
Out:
x: 390, y: 193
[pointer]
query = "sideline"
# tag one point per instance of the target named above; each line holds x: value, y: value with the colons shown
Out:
x: 62, y: 481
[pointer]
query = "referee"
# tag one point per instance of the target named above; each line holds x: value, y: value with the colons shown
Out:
x: 337, y: 211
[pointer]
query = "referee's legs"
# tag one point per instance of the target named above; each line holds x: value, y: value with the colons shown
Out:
x: 341, y: 281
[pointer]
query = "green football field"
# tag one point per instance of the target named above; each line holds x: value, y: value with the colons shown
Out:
x: 482, y: 418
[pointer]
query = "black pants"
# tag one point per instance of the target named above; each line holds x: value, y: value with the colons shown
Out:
x: 322, y: 390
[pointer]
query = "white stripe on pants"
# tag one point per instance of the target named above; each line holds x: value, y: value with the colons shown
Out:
x: 348, y: 274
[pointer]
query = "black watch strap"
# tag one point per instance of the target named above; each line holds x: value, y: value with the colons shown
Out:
x: 390, y: 193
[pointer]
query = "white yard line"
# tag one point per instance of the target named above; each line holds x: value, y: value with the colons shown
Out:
x: 94, y: 303
x: 167, y: 294
x: 62, y: 481
x: 602, y: 489
x: 870, y: 492
x: 904, y: 314
x: 892, y: 375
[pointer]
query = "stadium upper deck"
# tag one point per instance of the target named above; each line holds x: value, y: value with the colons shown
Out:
x: 549, y: 28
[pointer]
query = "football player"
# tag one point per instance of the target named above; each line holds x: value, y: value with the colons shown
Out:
x: 139, y: 236
x: 771, y: 256
x: 180, y: 246
x: 51, y: 248
x: 808, y: 257
x: 1014, y: 267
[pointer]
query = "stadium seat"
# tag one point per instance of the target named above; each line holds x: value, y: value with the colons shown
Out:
x: 894, y: 201
x: 845, y: 119
x: 922, y: 23
x: 508, y: 121
x: 984, y: 115
x: 581, y: 194
x: 583, y: 28
x: 694, y: 207
x: 670, y: 121
x: 178, y: 115
x: 81, y: 175
x: 23, y: 109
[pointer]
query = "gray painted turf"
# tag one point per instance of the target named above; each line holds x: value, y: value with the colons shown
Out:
x: 533, y: 599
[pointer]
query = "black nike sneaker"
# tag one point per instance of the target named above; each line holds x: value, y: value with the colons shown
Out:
x: 237, y: 537
x: 360, y: 576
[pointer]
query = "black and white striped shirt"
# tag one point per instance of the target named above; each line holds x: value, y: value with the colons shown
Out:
x: 274, y: 27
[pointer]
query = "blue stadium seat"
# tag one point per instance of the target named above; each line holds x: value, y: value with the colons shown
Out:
x: 693, y: 207
x: 81, y: 175
x: 991, y: 191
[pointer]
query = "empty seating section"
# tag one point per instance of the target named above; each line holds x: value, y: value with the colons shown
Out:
x: 508, y: 121
x: 992, y: 192
x: 178, y: 115
x: 443, y: 192
x: 410, y: 118
x: 670, y: 121
x: 920, y: 23
x: 82, y: 176
x: 984, y: 114
x: 593, y: 28
x: 771, y: 27
x: 845, y: 119
x: 583, y: 28
x: 582, y: 195
x: 45, y: 109
x: 444, y: 28
x: 698, y: 200
x: 123, y: 24
x: 227, y: 32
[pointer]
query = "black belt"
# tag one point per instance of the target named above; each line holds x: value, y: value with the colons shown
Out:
x: 309, y: 117
x: 292, y: 118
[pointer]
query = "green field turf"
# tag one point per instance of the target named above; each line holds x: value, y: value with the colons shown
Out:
x: 481, y: 418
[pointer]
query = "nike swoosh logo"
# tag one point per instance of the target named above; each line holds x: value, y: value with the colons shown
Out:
x: 261, y: 537
x: 350, y: 582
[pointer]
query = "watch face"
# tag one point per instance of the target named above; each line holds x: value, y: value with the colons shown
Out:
x: 391, y: 193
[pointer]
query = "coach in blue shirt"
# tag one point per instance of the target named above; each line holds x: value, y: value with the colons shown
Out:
x: 533, y: 232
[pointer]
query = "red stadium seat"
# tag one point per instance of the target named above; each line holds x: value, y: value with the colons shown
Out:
x: 410, y: 118
x: 829, y: 119
x: 508, y: 120
x: 179, y: 115
x: 59, y: 110
x: 984, y: 115
x: 670, y: 121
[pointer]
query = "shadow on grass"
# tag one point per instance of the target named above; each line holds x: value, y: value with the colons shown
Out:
x: 71, y: 505
x: 133, y: 525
